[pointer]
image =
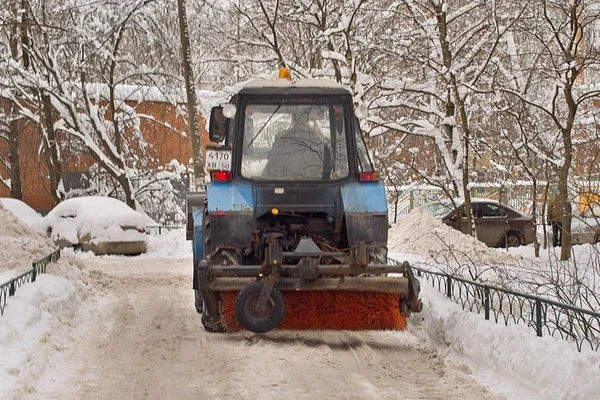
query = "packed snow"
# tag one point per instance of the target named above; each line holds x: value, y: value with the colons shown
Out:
x: 20, y: 244
x: 510, y: 362
x: 419, y: 233
x: 22, y: 211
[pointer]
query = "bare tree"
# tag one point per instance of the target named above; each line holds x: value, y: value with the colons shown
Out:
x: 79, y: 58
x: 188, y: 75
x: 16, y: 19
x: 553, y: 84
x: 445, y: 49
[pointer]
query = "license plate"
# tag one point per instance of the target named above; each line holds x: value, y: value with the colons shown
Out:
x: 218, y: 159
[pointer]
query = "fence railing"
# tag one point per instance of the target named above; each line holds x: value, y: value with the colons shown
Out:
x: 159, y: 229
x: 545, y: 316
x: 38, y: 267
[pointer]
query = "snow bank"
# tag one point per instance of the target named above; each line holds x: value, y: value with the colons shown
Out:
x: 422, y: 234
x: 36, y: 316
x: 38, y: 321
x: 170, y: 244
x: 20, y: 245
x: 511, y: 360
x: 22, y: 211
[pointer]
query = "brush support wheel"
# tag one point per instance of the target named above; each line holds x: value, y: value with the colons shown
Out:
x: 255, y: 318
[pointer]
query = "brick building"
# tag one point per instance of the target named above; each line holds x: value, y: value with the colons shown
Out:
x: 167, y: 136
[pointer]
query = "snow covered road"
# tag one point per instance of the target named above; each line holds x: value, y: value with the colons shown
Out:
x: 125, y: 328
x: 143, y: 339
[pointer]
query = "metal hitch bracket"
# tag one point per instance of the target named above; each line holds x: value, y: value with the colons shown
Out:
x: 265, y: 293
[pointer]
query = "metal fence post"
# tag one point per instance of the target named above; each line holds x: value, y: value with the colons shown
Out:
x: 538, y: 317
x: 33, y: 273
x: 487, y: 302
x: 448, y: 286
x: 11, y: 288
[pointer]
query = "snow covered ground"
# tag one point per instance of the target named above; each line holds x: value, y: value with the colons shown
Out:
x: 43, y: 319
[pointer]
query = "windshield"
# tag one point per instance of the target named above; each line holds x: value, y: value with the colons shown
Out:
x: 439, y: 209
x: 294, y: 142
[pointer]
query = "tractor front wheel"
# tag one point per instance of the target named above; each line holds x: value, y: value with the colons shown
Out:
x: 254, y: 317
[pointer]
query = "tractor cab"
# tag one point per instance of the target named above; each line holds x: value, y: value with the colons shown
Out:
x: 275, y: 132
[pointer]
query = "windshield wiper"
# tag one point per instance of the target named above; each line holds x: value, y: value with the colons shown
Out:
x: 263, y: 127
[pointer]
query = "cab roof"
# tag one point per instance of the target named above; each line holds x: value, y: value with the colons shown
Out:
x: 301, y: 83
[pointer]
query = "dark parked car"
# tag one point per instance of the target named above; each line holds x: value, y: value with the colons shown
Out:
x: 497, y: 225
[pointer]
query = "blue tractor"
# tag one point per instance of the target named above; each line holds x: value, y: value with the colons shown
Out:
x: 291, y: 231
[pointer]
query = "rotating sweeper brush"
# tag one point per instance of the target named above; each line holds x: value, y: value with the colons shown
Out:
x: 291, y: 232
x: 309, y: 295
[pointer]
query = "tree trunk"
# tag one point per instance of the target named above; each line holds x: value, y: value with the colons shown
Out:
x: 52, y: 153
x: 565, y: 169
x: 563, y: 196
x: 188, y: 75
x: 536, y: 244
x: 16, y: 189
x: 128, y: 190
x: 471, y: 229
x: 454, y: 100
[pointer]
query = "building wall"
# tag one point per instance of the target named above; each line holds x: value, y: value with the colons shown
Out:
x: 169, y: 140
x: 4, y: 190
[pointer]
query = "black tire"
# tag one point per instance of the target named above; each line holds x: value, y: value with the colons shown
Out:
x: 211, y: 320
x: 210, y: 323
x: 512, y: 239
x: 404, y: 308
x: 253, y: 319
x: 198, y: 303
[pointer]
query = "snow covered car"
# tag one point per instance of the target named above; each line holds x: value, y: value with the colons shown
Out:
x: 102, y: 225
x: 585, y: 228
x: 22, y: 211
x: 497, y: 224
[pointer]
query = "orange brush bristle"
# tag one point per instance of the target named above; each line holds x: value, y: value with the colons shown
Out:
x: 318, y: 310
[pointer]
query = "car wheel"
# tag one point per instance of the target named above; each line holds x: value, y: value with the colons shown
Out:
x: 513, y: 239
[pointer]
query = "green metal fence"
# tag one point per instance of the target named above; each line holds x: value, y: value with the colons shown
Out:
x: 38, y: 267
x: 545, y: 316
x: 159, y: 229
